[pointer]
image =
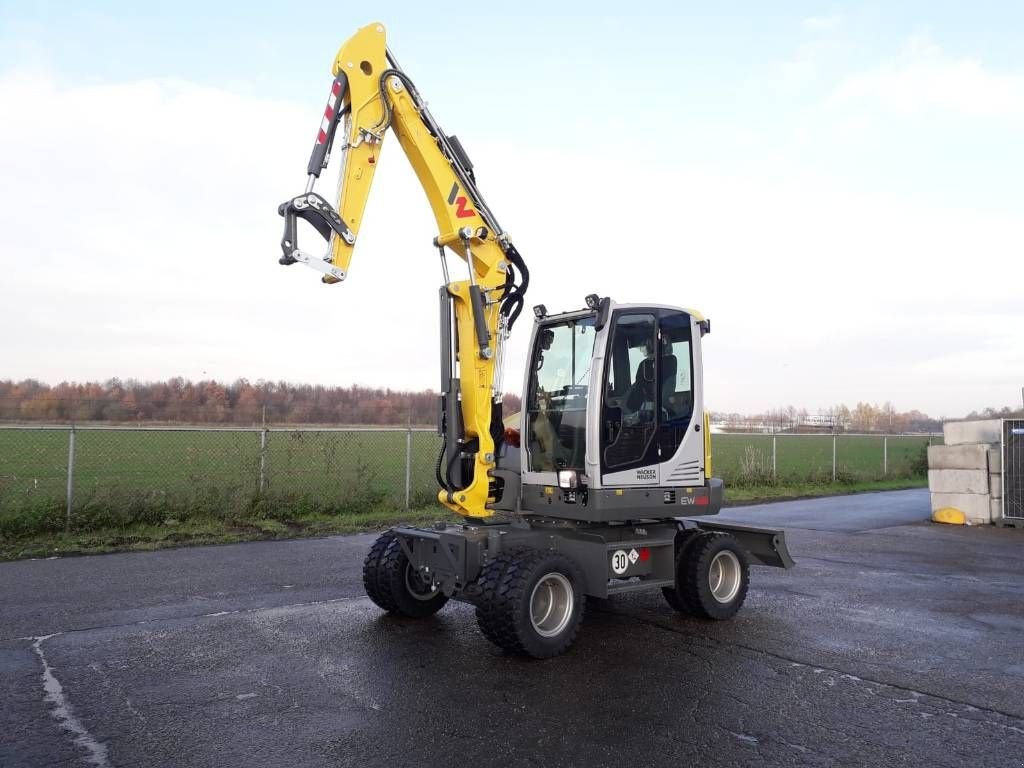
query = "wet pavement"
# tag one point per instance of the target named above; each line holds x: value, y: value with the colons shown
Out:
x: 893, y: 642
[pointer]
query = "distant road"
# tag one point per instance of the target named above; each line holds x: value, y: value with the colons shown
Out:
x: 855, y: 512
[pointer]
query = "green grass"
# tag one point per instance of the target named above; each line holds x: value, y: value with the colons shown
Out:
x: 205, y: 485
x: 140, y: 537
x: 199, y: 530
x: 747, y: 459
x: 145, y: 477
x: 34, y: 462
x: 740, y: 496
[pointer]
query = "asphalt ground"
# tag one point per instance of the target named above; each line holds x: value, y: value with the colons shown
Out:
x: 893, y: 642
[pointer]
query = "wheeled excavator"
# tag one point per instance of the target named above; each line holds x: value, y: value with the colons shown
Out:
x: 606, y: 487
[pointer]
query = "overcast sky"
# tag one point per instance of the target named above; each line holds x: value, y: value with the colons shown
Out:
x: 838, y: 186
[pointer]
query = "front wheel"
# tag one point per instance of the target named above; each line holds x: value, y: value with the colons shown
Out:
x: 531, y: 602
x: 393, y: 584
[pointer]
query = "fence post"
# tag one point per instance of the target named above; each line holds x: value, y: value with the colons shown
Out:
x: 263, y: 461
x: 71, y: 479
x: 833, y: 457
x: 408, y: 465
x: 774, y: 473
x: 885, y: 455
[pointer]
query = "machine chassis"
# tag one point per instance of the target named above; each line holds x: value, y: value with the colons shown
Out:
x: 451, y: 556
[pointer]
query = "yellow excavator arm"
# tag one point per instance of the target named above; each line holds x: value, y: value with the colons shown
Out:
x: 371, y: 95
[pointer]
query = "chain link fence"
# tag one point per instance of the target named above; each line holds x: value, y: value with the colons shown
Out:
x: 787, y: 458
x: 59, y: 477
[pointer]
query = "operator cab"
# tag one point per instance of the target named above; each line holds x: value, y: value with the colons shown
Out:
x: 614, y: 400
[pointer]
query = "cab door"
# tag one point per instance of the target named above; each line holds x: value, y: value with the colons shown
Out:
x: 649, y: 396
x: 681, y: 405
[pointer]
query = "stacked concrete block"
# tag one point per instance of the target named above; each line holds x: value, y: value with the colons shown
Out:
x: 987, y: 432
x: 964, y: 488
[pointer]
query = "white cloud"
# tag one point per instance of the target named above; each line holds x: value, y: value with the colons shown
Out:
x: 141, y: 240
x: 923, y: 78
x: 822, y: 23
x: 801, y: 70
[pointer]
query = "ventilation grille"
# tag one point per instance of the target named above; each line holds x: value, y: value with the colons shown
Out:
x: 686, y: 472
x: 1013, y: 468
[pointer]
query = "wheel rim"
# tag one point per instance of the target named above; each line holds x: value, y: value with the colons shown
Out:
x: 416, y: 586
x: 724, y: 576
x: 551, y: 604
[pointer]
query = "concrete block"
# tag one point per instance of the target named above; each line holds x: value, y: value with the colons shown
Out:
x: 969, y: 432
x: 957, y: 457
x: 997, y: 509
x: 995, y: 486
x: 958, y: 481
x: 995, y: 460
x: 977, y: 507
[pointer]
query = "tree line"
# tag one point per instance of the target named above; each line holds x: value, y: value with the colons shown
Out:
x: 863, y: 417
x: 182, y: 401
x: 997, y: 413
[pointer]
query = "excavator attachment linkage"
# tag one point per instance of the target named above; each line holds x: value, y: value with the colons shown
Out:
x: 370, y: 96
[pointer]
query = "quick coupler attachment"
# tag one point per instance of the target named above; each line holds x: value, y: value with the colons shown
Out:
x: 314, y: 209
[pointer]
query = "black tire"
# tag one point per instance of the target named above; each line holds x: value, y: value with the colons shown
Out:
x: 487, y: 603
x: 713, y: 576
x: 673, y: 599
x: 391, y: 583
x: 672, y: 596
x: 515, y: 582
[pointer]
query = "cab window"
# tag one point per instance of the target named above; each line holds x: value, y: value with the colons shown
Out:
x: 676, y: 378
x: 628, y: 417
x: 556, y: 406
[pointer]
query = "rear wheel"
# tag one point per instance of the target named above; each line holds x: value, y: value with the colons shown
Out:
x: 531, y: 602
x: 393, y: 584
x: 712, y: 576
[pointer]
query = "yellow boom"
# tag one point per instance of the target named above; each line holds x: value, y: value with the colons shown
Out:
x: 371, y: 95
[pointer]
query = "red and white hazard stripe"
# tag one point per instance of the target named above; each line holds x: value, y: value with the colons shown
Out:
x: 332, y: 104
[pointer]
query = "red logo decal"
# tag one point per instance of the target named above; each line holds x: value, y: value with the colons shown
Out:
x: 461, y: 211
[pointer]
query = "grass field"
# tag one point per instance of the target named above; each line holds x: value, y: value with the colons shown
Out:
x: 747, y: 459
x: 140, y: 477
